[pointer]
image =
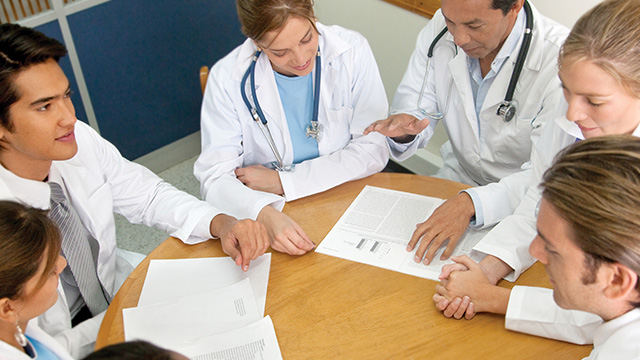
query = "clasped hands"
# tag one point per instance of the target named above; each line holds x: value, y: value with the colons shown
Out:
x: 465, y: 289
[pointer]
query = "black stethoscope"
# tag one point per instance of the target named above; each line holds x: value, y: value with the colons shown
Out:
x: 507, y: 109
x: 313, y: 130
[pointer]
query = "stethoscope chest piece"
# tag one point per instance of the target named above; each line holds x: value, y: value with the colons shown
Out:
x: 507, y: 110
x: 314, y: 130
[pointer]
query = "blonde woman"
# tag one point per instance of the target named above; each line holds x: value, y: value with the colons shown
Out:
x: 600, y: 76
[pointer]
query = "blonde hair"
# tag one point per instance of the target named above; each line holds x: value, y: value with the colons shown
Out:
x: 259, y: 17
x: 609, y: 36
x: 594, y: 185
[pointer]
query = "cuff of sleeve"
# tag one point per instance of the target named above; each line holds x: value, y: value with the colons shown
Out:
x: 513, y: 307
x: 477, y: 221
x: 203, y: 227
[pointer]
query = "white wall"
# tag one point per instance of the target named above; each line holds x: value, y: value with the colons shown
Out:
x: 392, y: 33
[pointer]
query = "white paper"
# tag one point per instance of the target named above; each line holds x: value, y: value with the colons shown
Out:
x: 254, y: 342
x: 169, y: 280
x: 174, y: 323
x: 377, y: 227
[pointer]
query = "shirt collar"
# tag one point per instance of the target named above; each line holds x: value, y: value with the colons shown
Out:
x: 606, y: 330
x: 32, y: 192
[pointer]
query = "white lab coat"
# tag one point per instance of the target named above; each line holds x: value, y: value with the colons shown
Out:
x: 99, y: 182
x: 352, y: 96
x: 8, y: 352
x: 480, y: 156
x: 533, y: 311
x: 509, y: 240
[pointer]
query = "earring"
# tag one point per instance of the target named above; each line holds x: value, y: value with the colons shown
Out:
x: 19, y: 335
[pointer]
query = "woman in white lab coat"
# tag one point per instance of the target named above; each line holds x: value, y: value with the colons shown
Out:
x: 236, y: 168
x: 29, y: 273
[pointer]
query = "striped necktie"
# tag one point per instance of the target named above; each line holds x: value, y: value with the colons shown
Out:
x: 76, y: 249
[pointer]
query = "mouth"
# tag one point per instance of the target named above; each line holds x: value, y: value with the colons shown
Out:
x: 585, y: 129
x: 68, y: 137
x: 303, y: 66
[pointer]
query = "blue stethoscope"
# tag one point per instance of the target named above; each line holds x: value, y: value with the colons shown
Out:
x: 313, y: 130
x: 507, y: 109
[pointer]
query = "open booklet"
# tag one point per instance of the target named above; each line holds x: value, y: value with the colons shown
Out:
x: 377, y: 227
x: 205, y: 309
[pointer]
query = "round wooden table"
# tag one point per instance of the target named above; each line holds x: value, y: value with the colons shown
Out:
x: 329, y: 308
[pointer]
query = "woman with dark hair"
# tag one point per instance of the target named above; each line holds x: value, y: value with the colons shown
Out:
x: 29, y: 270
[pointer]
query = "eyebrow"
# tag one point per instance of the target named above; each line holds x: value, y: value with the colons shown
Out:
x: 49, y: 98
x: 304, y: 37
x: 471, y: 22
x: 582, y: 94
x: 544, y: 238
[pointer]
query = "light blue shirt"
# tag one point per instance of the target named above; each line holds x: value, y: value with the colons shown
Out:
x: 41, y: 351
x: 480, y: 87
x: 296, y: 94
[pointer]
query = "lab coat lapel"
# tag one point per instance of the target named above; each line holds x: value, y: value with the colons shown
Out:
x: 331, y: 47
x: 462, y: 85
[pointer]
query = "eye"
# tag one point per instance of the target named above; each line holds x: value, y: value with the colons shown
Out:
x: 279, y: 53
x: 549, y: 251
x: 68, y: 94
x: 475, y: 27
x: 307, y: 39
x: 594, y: 104
x: 45, y: 107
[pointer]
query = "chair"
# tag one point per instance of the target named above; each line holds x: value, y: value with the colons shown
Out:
x: 204, y: 74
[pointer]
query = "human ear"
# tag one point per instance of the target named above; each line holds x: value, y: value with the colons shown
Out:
x: 8, y: 311
x: 621, y: 282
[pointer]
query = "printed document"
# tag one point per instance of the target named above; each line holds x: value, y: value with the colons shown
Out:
x: 377, y: 227
x: 168, y: 280
x: 174, y: 323
x: 254, y: 342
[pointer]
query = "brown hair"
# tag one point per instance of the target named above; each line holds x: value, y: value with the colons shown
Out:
x: 259, y: 17
x: 609, y: 36
x: 27, y: 237
x: 20, y: 48
x: 594, y: 185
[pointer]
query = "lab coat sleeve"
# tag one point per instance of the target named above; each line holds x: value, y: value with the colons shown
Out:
x: 405, y: 100
x: 499, y: 200
x: 363, y: 155
x: 532, y: 310
x: 222, y: 151
x: 81, y: 339
x: 144, y: 198
x: 509, y: 240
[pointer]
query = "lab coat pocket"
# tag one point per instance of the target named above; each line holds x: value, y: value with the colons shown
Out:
x: 515, y: 141
x: 337, y: 129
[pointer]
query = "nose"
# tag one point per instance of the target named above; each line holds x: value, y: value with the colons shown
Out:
x: 62, y: 263
x: 536, y: 249
x: 460, y: 38
x: 67, y: 113
x: 298, y: 58
x: 574, y: 110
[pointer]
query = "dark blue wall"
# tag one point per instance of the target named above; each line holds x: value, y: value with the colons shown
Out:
x: 141, y: 60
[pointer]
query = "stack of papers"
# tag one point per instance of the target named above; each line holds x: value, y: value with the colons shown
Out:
x: 205, y: 309
x: 377, y: 227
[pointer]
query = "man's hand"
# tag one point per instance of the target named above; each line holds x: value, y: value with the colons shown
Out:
x: 258, y: 177
x: 284, y: 233
x: 400, y: 127
x: 465, y: 293
x: 449, y: 221
x: 243, y: 240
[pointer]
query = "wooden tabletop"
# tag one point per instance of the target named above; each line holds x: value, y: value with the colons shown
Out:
x: 329, y: 308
